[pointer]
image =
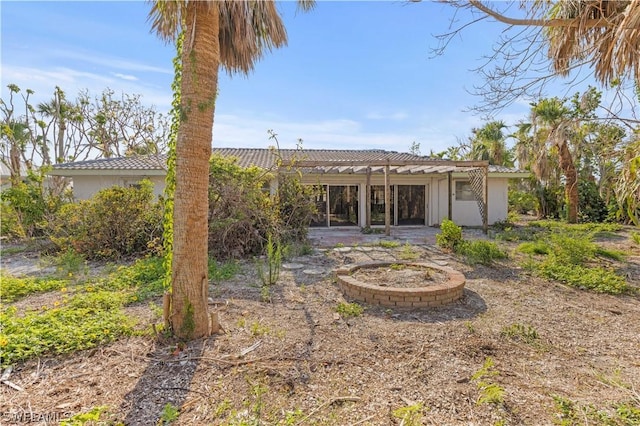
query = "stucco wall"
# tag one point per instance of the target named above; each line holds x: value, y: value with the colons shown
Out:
x: 85, y: 187
x: 467, y: 213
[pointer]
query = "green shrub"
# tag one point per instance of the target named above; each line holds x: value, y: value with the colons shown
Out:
x: 28, y: 206
x: 450, y: 236
x: 635, y: 237
x: 10, y: 226
x: 480, y: 251
x: 522, y: 202
x: 295, y: 206
x: 242, y: 212
x: 115, y: 223
x: 591, y: 206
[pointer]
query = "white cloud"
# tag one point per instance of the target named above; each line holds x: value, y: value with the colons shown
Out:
x: 43, y: 81
x: 110, y: 61
x: 125, y: 76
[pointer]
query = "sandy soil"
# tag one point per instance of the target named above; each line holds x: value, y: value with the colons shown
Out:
x: 295, y: 361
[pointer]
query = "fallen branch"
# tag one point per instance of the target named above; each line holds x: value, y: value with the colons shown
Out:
x: 4, y: 379
x: 328, y: 403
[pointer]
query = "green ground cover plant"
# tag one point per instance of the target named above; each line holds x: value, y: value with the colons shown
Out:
x: 490, y: 391
x: 17, y: 288
x: 389, y: 244
x: 219, y: 271
x: 93, y: 315
x: 480, y: 251
x: 520, y: 332
x: 573, y: 413
x: 568, y: 254
x: 349, y: 310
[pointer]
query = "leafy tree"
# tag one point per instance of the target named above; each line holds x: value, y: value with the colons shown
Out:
x: 62, y: 130
x: 233, y: 34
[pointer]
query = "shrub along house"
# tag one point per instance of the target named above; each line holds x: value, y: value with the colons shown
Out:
x: 419, y: 190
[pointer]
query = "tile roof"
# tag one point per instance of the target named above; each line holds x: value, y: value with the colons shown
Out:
x: 143, y: 162
x: 265, y: 158
x: 260, y: 157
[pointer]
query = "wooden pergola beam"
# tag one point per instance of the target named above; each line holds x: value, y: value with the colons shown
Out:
x: 372, y: 163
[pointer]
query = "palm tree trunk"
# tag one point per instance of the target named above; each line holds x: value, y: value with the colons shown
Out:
x: 200, y: 62
x: 571, y: 182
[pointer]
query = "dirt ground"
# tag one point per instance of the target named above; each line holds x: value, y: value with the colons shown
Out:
x: 296, y: 361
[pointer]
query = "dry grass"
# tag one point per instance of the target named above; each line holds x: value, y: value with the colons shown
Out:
x: 306, y: 365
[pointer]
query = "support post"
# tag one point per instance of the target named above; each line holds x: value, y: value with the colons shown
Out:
x: 387, y: 202
x: 485, y: 198
x: 449, y: 191
x: 367, y: 202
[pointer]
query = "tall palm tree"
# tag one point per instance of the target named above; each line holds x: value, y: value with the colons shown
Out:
x: 555, y: 119
x: 233, y: 34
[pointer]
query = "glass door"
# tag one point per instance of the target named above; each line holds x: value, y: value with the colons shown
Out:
x: 411, y: 204
x: 343, y: 205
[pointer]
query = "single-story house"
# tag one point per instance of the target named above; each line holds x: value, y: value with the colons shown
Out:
x: 421, y: 190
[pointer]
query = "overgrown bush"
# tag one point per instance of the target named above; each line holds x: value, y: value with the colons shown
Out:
x: 522, y: 202
x: 10, y: 226
x: 450, y: 236
x: 26, y: 208
x: 295, y: 206
x: 114, y: 223
x: 242, y: 211
x: 591, y: 206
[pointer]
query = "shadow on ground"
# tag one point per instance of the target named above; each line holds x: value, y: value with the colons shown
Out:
x: 166, y: 380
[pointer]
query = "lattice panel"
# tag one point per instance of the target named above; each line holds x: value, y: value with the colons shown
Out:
x: 476, y: 177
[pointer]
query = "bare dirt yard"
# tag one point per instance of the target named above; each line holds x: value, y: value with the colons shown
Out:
x: 515, y: 350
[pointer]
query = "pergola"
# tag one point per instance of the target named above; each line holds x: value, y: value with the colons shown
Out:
x: 477, y: 170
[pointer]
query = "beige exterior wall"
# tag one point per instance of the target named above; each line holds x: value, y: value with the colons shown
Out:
x: 465, y: 213
x: 84, y: 187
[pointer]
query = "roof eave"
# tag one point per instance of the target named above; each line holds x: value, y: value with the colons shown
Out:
x: 103, y: 172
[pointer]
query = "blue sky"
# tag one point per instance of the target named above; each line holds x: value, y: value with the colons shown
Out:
x: 355, y: 75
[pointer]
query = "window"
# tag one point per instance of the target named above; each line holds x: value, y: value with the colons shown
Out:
x: 464, y: 191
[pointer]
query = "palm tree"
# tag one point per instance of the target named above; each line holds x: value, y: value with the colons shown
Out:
x: 61, y: 111
x: 233, y: 34
x: 488, y: 143
x: 556, y: 122
x: 603, y: 33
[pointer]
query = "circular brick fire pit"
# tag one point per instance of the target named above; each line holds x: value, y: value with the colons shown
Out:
x: 442, y: 293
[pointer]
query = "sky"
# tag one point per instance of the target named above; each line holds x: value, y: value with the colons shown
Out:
x: 355, y: 74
